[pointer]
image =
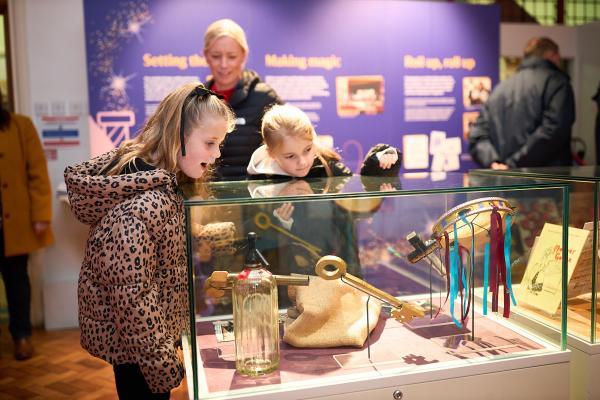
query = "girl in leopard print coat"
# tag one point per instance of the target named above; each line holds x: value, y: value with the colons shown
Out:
x: 133, y: 282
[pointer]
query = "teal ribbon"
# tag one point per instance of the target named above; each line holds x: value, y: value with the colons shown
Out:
x: 507, y: 243
x: 394, y: 252
x: 454, y: 258
x: 486, y: 273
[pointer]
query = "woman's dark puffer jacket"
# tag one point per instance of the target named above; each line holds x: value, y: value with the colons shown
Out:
x: 249, y: 101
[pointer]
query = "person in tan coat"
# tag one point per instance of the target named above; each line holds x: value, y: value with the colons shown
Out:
x: 133, y: 288
x: 25, y: 215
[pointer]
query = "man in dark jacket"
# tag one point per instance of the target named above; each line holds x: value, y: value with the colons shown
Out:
x: 527, y: 120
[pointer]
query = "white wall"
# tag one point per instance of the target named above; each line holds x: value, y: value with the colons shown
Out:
x: 514, y: 36
x: 2, y: 51
x: 588, y: 79
x: 48, y: 46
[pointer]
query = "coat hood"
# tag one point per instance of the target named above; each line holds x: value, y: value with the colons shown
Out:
x: 262, y: 164
x: 92, y: 195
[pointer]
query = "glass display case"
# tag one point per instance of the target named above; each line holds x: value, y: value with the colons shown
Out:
x: 583, y: 181
x: 411, y: 287
x: 582, y: 297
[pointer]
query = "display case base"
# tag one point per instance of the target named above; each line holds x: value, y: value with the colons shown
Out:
x: 585, y: 356
x: 423, y: 360
x: 546, y: 382
x: 585, y: 364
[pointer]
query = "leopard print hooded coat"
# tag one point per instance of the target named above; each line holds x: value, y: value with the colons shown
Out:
x: 132, y: 291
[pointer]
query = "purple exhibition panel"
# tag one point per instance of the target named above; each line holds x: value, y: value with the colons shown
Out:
x: 409, y: 73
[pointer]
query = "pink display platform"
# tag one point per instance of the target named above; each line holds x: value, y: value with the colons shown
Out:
x: 393, y: 346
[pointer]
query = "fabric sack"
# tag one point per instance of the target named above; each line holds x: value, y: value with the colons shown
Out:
x: 329, y: 313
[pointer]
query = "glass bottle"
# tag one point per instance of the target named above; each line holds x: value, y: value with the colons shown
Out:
x: 255, y: 317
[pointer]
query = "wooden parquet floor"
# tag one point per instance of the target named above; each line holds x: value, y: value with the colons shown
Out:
x: 59, y: 369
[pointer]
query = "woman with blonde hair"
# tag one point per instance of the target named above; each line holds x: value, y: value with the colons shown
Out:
x: 226, y: 52
x: 133, y: 289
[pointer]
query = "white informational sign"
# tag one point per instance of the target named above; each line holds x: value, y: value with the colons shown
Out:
x: 445, y: 152
x: 415, y: 151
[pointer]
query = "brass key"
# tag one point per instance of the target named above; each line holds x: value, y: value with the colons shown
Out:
x: 263, y: 221
x: 332, y: 267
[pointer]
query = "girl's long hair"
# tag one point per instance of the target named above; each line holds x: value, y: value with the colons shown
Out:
x: 283, y: 121
x: 158, y: 143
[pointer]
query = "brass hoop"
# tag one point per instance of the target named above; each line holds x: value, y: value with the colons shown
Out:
x: 262, y: 220
x: 470, y: 208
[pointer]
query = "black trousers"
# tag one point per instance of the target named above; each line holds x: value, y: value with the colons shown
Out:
x: 132, y: 385
x: 18, y: 292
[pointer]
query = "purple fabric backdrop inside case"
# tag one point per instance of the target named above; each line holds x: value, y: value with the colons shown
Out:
x: 366, y: 71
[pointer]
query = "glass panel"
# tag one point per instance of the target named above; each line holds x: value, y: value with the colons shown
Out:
x: 581, y: 217
x: 583, y: 211
x: 395, y: 241
x: 188, y: 334
x: 585, y: 173
x: 215, y: 193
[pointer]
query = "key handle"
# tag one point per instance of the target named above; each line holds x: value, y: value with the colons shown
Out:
x: 262, y: 221
x: 331, y: 267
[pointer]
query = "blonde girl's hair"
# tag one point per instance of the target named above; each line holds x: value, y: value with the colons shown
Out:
x: 283, y: 121
x: 159, y: 142
x: 225, y: 27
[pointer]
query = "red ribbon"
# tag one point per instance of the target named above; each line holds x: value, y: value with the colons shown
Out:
x: 464, y: 311
x: 447, y: 267
x: 498, y: 263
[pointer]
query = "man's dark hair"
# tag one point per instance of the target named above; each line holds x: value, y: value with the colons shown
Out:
x: 538, y: 46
